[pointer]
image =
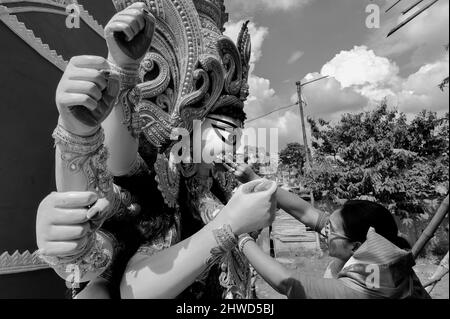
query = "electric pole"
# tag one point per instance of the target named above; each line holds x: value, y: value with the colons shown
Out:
x: 300, y: 86
x: 302, y: 118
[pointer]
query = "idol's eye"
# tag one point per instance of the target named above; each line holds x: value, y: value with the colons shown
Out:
x: 232, y: 138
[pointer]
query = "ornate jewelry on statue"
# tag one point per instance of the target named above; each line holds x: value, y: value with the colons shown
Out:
x: 236, y: 274
x: 124, y: 204
x: 207, y: 205
x: 139, y: 167
x: 225, y: 237
x: 94, y: 258
x: 127, y: 81
x: 191, y: 71
x: 88, y: 155
x: 127, y: 78
x: 168, y: 180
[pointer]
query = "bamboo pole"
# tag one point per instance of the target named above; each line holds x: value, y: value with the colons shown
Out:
x: 389, y: 9
x: 401, y: 25
x: 431, y: 229
x: 412, y: 7
x: 438, y: 275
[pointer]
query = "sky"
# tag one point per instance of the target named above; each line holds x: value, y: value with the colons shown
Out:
x: 296, y: 40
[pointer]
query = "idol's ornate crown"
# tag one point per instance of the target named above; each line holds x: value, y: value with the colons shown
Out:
x: 192, y: 69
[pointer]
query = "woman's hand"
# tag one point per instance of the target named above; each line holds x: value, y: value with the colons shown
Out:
x: 129, y: 35
x: 251, y: 208
x: 79, y: 94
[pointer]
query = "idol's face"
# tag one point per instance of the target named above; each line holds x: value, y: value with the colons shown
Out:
x: 220, y: 135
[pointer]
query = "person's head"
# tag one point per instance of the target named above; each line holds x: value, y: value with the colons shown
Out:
x: 348, y: 227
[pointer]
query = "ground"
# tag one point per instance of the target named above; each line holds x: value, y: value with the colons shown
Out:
x: 313, y: 265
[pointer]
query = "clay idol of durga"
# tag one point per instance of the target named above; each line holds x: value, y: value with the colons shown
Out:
x: 136, y: 213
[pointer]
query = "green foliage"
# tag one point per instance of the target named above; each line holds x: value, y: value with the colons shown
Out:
x: 382, y: 156
x: 293, y: 156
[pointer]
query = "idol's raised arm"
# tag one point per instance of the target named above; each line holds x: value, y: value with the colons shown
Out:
x: 125, y: 56
x: 90, y: 94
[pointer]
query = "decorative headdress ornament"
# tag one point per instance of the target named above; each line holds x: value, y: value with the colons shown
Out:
x: 191, y: 70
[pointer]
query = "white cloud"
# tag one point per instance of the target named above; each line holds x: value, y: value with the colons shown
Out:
x: 328, y: 99
x: 360, y: 66
x: 360, y: 72
x: 295, y: 57
x: 420, y: 90
x: 361, y: 76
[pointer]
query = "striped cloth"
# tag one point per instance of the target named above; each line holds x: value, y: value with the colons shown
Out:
x: 382, y: 270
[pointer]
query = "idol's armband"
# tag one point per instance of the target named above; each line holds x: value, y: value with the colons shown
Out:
x: 83, y: 160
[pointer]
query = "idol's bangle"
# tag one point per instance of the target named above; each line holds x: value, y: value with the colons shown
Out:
x: 87, y: 155
x: 123, y: 203
x: 81, y: 145
x: 321, y: 221
x: 225, y: 238
x: 127, y: 78
x: 95, y: 259
x: 139, y: 168
x: 243, y: 240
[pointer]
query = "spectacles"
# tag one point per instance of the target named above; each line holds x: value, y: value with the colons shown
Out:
x: 328, y: 234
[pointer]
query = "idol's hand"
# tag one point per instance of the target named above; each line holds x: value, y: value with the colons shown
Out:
x: 243, y: 172
x: 251, y: 208
x: 79, y: 95
x: 63, y: 222
x: 129, y: 35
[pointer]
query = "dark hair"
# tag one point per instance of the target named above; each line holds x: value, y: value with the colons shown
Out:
x: 359, y: 215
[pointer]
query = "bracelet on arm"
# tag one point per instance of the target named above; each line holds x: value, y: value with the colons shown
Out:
x: 243, y: 240
x: 127, y: 78
x: 86, y: 156
x: 321, y: 221
x: 139, y: 168
x: 127, y: 96
x: 95, y: 258
x: 225, y: 238
x: 226, y: 241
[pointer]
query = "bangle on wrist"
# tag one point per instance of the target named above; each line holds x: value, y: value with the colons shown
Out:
x: 243, y: 240
x: 73, y: 143
x: 321, y: 221
x: 95, y: 258
x: 127, y: 78
x: 225, y: 238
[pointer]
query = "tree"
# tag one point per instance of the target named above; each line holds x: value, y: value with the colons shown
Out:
x: 383, y: 157
x: 293, y: 156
